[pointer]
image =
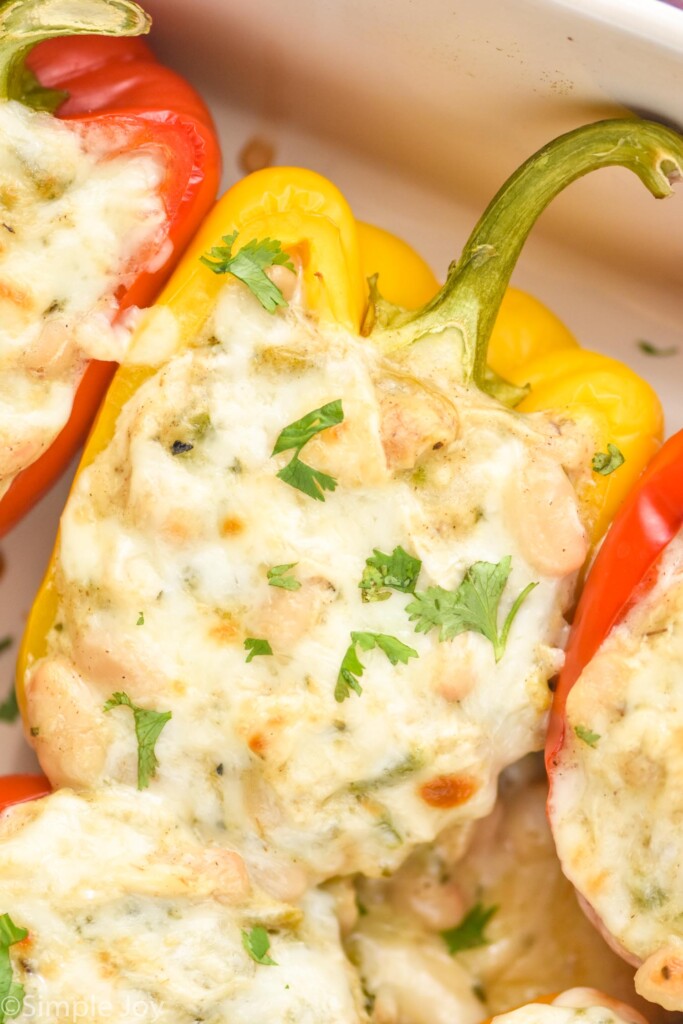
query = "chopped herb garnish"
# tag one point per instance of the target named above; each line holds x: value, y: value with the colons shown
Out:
x: 304, y: 478
x: 5, y: 643
x: 653, y: 350
x: 303, y: 430
x: 180, y: 447
x: 256, y: 647
x: 471, y: 932
x: 279, y: 576
x: 141, y: 619
x: 352, y: 668
x: 606, y: 462
x: 148, y: 726
x: 471, y: 608
x: 391, y: 776
x: 257, y: 943
x: 297, y: 473
x: 11, y: 992
x: 399, y: 571
x: 9, y: 709
x: 249, y: 266
x: 587, y: 735
x: 35, y: 730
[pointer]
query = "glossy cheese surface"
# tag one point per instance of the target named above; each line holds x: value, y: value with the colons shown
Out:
x: 162, y: 575
x: 79, y: 218
x: 131, y: 918
x: 617, y: 800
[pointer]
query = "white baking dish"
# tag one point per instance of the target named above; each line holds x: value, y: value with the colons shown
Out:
x: 418, y: 111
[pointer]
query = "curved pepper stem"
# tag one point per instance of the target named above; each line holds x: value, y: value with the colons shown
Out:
x: 24, y: 23
x: 469, y: 301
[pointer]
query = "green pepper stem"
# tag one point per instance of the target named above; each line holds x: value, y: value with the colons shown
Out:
x: 24, y: 23
x: 470, y: 299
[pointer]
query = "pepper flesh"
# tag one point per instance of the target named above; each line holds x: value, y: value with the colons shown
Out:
x: 17, y: 789
x: 118, y: 83
x: 311, y: 219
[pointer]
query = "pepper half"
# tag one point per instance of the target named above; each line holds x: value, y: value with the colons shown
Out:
x: 315, y: 226
x: 622, y: 573
x: 613, y: 747
x: 113, y: 82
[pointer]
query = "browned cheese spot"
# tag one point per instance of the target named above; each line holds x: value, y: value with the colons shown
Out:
x: 445, y: 791
x: 231, y: 526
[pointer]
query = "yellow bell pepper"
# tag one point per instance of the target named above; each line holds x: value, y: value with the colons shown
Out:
x: 403, y: 277
x: 623, y: 408
x: 313, y: 223
x: 524, y: 329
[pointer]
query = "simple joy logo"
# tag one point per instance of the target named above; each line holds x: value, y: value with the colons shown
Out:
x: 32, y: 1007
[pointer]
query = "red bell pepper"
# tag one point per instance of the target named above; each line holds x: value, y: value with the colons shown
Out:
x: 624, y: 570
x: 17, y: 789
x: 102, y: 81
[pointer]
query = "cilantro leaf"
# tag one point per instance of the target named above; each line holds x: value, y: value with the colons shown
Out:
x: 606, y: 462
x: 297, y: 473
x: 306, y: 479
x: 148, y: 726
x: 9, y: 709
x: 587, y: 735
x: 399, y: 570
x: 303, y: 430
x: 653, y: 350
x: 140, y: 619
x: 249, y: 264
x: 470, y: 933
x: 278, y: 577
x: 471, y: 608
x: 256, y: 647
x: 257, y: 943
x: 11, y: 992
x: 352, y: 668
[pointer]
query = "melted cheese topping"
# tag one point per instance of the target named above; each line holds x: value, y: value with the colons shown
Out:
x: 131, y: 919
x: 537, y: 941
x: 308, y: 787
x: 577, y: 1006
x: 79, y: 218
x: 618, y: 799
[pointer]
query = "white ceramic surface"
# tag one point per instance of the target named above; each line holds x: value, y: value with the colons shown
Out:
x: 418, y: 109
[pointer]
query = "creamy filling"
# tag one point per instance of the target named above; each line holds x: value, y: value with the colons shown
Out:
x: 577, y: 1006
x: 79, y: 218
x: 617, y: 803
x: 505, y: 909
x: 166, y: 545
x: 130, y: 918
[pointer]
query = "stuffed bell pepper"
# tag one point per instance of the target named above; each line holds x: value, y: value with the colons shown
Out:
x: 614, y: 751
x: 132, y: 918
x: 96, y: 205
x: 311, y: 578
